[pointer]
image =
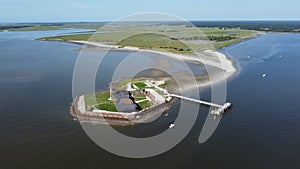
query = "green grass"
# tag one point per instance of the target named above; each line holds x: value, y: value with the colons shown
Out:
x: 52, y: 26
x: 163, y: 85
x: 156, y: 42
x: 107, y: 106
x: 100, y: 100
x: 37, y: 28
x: 140, y: 85
x: 226, y: 43
x: 122, y: 84
x: 145, y: 104
x: 139, y: 98
x: 161, y: 38
x: 84, y: 37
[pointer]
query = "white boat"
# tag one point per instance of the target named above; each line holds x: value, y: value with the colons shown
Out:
x: 171, y: 125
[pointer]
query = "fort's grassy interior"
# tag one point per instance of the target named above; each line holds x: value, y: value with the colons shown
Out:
x: 100, y: 101
x: 138, y: 84
x: 145, y: 104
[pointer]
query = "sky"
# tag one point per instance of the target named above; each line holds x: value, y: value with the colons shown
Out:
x: 107, y: 10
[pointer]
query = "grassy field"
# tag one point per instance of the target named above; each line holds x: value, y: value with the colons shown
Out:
x: 122, y: 84
x: 36, y: 28
x: 139, y: 98
x: 176, y: 39
x: 107, y: 106
x: 226, y: 43
x: 50, y: 26
x: 67, y: 38
x: 156, y: 42
x: 145, y: 104
x: 142, y: 41
x: 101, y: 101
x: 140, y: 85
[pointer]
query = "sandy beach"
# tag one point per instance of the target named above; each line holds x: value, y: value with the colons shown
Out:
x: 208, y: 57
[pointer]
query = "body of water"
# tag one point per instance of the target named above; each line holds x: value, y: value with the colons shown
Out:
x: 36, y: 130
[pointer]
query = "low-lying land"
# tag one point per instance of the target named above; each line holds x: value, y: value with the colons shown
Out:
x: 162, y: 37
x: 268, y: 26
x: 50, y: 26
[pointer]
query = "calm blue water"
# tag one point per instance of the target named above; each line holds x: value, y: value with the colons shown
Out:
x: 261, y: 131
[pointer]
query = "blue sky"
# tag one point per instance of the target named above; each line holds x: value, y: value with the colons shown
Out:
x: 106, y: 10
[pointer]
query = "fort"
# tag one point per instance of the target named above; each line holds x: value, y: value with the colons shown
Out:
x: 141, y: 101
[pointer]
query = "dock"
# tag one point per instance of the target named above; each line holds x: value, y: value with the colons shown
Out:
x: 218, y: 109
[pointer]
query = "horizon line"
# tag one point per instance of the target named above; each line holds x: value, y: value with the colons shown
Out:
x: 191, y: 20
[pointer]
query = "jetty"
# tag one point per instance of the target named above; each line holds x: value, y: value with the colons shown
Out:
x: 218, y: 108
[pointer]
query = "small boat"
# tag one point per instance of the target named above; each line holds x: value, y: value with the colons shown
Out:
x: 264, y: 75
x: 216, y: 112
x: 171, y: 125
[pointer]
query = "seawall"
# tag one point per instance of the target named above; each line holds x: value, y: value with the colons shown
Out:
x: 118, y: 118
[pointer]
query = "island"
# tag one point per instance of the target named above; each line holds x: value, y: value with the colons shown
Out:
x: 133, y: 102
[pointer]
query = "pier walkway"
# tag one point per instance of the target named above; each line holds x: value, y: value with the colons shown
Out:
x: 197, y: 101
x: 220, y: 108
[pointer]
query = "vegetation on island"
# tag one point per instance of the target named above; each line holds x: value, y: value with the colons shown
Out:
x: 145, y: 104
x: 141, y: 100
x: 102, y: 101
x: 163, y: 85
x: 176, y: 39
x: 50, y: 26
x: 220, y: 33
x: 99, y: 101
x: 66, y: 38
x: 138, y: 85
x: 269, y: 26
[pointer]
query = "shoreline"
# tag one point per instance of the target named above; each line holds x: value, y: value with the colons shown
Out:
x: 207, y: 58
